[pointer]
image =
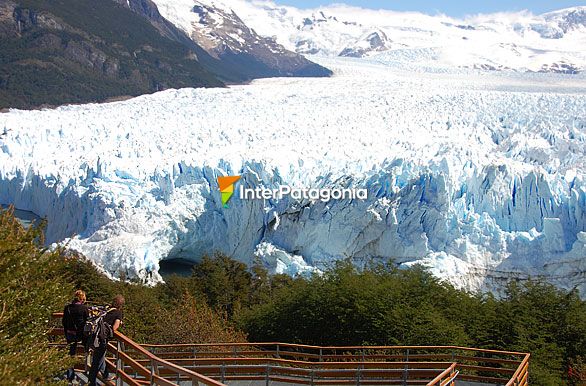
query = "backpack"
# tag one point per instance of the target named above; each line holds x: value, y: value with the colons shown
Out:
x: 96, y: 331
x: 72, y: 324
x: 68, y: 322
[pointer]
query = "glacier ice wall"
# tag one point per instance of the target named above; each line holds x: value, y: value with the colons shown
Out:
x: 480, y: 177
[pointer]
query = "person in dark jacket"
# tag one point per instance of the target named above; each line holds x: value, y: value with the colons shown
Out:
x: 114, y: 319
x: 75, y: 315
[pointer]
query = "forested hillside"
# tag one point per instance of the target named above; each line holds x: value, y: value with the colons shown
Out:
x: 55, y: 52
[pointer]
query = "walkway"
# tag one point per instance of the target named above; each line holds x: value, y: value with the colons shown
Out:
x: 277, y: 364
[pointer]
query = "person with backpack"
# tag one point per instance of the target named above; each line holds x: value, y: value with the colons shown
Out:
x: 74, y: 318
x: 107, y: 324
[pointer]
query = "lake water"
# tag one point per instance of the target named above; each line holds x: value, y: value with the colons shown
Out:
x: 25, y: 217
x: 178, y: 267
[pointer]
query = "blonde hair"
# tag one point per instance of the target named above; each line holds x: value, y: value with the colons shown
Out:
x: 79, y: 296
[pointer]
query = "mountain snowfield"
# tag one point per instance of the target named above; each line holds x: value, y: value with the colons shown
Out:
x: 552, y: 42
x: 477, y: 175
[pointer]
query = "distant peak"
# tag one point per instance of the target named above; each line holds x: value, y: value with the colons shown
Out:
x: 566, y: 11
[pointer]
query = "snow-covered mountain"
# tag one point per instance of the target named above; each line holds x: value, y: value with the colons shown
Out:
x: 227, y: 38
x: 551, y: 42
x: 479, y: 176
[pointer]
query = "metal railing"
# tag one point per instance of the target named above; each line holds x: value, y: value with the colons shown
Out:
x: 227, y: 369
x: 123, y: 360
x: 521, y: 376
x: 447, y: 377
x: 218, y: 363
x: 472, y: 364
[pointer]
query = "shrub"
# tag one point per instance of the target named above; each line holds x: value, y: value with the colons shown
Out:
x: 32, y: 287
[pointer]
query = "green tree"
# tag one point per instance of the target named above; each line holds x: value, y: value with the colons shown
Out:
x: 378, y: 305
x: 32, y: 287
x: 545, y: 322
x: 225, y: 281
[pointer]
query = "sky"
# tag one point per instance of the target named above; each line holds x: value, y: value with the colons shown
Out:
x: 454, y: 8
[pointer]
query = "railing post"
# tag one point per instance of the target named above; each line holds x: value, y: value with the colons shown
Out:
x: 405, y: 375
x: 321, y: 353
x: 312, y: 375
x: 154, y: 371
x: 223, y: 373
x: 406, y: 372
x: 119, y: 363
x: 268, y: 376
x: 358, y: 376
x: 278, y: 355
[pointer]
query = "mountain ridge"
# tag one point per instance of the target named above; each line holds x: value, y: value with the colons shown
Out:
x: 223, y: 34
x: 519, y: 41
x: 57, y: 52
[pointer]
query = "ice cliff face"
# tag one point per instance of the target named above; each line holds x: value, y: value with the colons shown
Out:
x: 478, y: 176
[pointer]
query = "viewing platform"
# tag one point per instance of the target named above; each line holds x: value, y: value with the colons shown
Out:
x: 278, y: 364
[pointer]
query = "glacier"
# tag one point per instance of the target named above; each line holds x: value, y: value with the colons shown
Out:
x: 477, y: 175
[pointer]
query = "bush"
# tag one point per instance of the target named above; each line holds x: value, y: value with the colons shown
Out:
x: 192, y: 321
x: 370, y: 306
x: 32, y: 287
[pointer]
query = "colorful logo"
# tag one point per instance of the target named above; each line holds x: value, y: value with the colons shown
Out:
x: 226, y: 185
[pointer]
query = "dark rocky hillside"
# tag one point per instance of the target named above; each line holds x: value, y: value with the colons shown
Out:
x: 55, y: 52
x: 61, y: 51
